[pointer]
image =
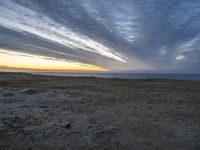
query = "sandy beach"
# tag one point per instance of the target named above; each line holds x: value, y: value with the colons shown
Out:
x: 87, y: 113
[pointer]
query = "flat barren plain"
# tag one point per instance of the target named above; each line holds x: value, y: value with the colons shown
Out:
x: 87, y: 113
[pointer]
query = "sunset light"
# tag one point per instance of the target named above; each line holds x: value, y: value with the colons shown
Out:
x: 27, y: 61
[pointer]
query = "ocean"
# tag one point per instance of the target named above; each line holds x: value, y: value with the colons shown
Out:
x: 127, y: 75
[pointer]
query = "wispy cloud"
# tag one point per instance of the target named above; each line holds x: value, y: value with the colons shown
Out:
x: 19, y: 18
x: 114, y: 34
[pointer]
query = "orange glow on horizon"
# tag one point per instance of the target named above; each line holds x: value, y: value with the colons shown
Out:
x: 21, y: 60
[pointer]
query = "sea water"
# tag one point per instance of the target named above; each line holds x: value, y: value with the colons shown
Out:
x: 127, y: 75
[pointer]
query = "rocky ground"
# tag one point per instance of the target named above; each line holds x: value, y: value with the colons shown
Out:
x: 77, y: 113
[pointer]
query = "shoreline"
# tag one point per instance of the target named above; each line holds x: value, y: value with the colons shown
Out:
x: 140, y: 76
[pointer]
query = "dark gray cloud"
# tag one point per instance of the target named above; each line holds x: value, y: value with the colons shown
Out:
x: 115, y: 34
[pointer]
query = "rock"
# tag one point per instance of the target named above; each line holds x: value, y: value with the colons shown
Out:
x: 43, y: 106
x: 30, y: 91
x: 1, y: 125
x: 75, y: 94
x: 67, y: 126
x: 8, y: 94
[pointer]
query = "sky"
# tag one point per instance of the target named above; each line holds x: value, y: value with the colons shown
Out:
x: 105, y: 35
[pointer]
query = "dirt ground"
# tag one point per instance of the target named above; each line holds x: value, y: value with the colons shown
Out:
x: 80, y: 113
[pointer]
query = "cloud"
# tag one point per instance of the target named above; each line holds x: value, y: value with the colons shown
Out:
x: 19, y: 18
x: 115, y: 34
x: 180, y: 57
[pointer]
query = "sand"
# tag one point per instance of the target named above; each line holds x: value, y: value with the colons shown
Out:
x: 85, y: 113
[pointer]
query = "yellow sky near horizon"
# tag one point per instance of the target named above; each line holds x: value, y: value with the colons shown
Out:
x: 28, y: 61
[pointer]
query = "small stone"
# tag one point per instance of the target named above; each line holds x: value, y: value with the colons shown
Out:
x: 75, y: 94
x: 8, y: 94
x: 1, y: 124
x: 67, y: 126
x: 30, y: 91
